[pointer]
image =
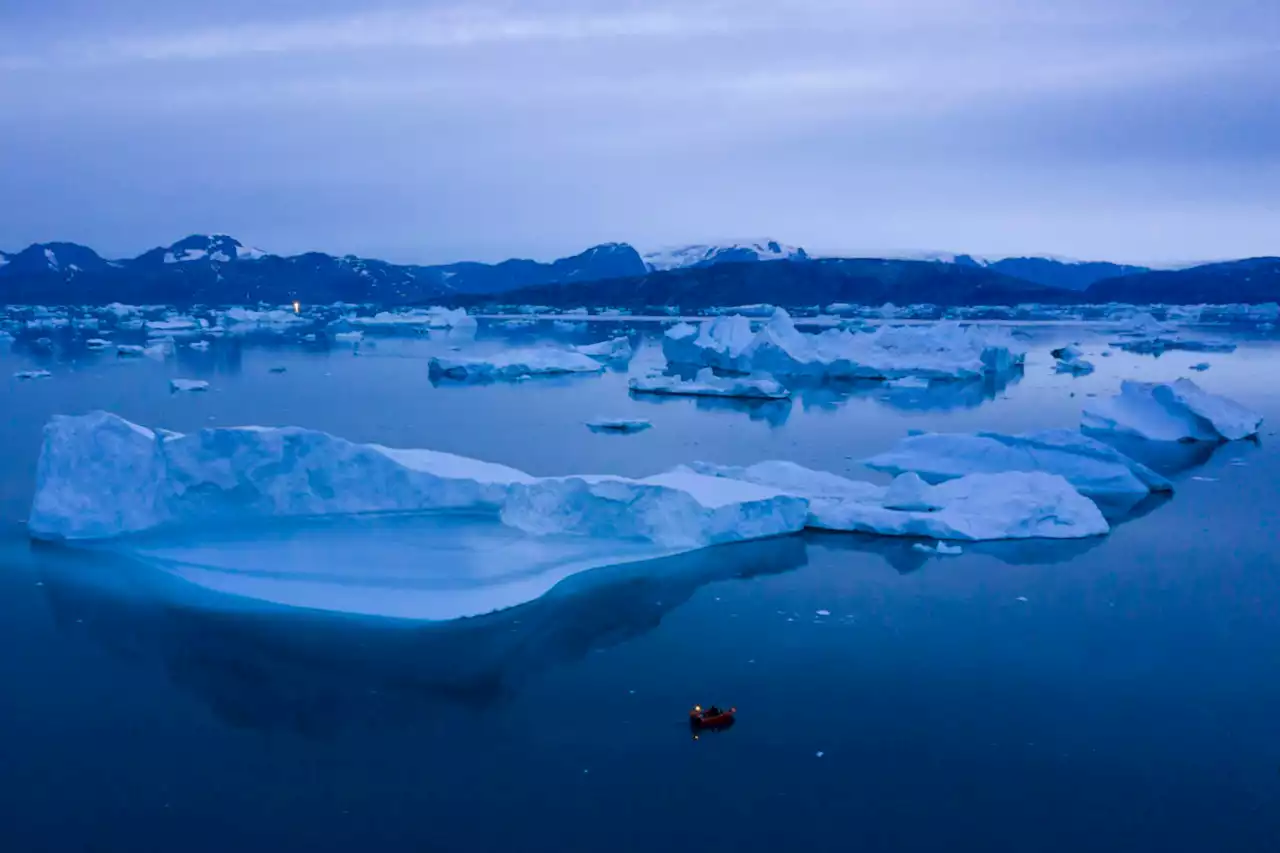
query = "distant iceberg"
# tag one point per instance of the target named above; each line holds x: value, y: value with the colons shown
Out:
x: 939, y: 351
x: 1180, y: 411
x: 514, y: 364
x: 707, y: 384
x: 1093, y: 468
x: 614, y: 349
x: 428, y: 318
x: 188, y: 385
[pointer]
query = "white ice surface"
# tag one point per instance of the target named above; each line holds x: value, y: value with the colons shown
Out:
x: 707, y: 384
x: 614, y: 349
x: 977, y: 507
x: 513, y: 364
x: 1093, y: 468
x: 1178, y: 411
x: 940, y: 351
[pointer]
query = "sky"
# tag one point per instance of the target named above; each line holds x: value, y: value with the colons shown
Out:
x: 1129, y: 130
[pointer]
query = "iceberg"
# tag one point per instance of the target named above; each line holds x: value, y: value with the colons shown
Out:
x: 158, y: 351
x: 514, y: 364
x: 945, y: 350
x: 614, y: 349
x: 198, y: 346
x: 1180, y: 411
x: 976, y: 507
x: 1072, y: 360
x: 707, y: 384
x: 97, y: 343
x: 100, y: 476
x: 188, y: 385
x: 624, y: 425
x: 1090, y: 466
x: 430, y: 318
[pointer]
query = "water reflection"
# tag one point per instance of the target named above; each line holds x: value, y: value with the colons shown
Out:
x: 902, y: 556
x: 773, y: 412
x: 936, y: 396
x: 316, y: 674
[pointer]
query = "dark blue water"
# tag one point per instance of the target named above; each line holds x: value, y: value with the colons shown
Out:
x: 1131, y: 702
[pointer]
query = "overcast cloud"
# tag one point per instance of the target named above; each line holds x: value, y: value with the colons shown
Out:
x: 1143, y: 130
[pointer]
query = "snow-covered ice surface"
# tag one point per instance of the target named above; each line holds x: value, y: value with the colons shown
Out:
x: 938, y: 351
x: 707, y: 384
x: 976, y: 507
x: 1094, y: 468
x: 514, y: 364
x: 1177, y: 411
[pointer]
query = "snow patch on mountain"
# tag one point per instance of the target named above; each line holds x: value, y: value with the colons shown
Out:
x: 701, y: 255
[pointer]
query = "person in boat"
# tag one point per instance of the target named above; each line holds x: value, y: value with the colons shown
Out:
x: 713, y: 711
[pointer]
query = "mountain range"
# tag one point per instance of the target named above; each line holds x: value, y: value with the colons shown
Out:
x: 219, y: 269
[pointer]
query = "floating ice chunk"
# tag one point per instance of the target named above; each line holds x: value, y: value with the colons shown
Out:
x: 625, y: 425
x: 568, y: 326
x: 158, y: 351
x: 173, y: 324
x: 348, y: 337
x: 514, y: 364
x: 941, y: 549
x: 1201, y: 367
x: 943, y: 351
x: 1010, y: 505
x: 1180, y: 411
x: 32, y: 374
x: 615, y: 349
x: 188, y: 385
x: 1071, y: 360
x: 707, y: 384
x: 199, y: 346
x: 97, y: 343
x: 1095, y: 469
x: 242, y: 319
x: 907, y: 382
x: 102, y: 476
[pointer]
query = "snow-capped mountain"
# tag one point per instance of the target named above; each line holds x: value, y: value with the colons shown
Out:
x: 218, y: 248
x: 700, y: 255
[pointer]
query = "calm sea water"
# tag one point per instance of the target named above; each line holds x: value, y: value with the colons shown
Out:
x: 1112, y: 695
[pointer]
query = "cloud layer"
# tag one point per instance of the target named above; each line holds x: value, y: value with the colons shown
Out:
x: 1135, y: 130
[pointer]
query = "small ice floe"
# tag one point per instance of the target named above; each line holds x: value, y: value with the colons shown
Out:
x: 823, y: 612
x: 514, y: 364
x: 1178, y: 411
x: 618, y: 425
x: 614, y: 349
x: 97, y: 343
x: 348, y: 337
x: 1205, y: 479
x: 942, y: 549
x: 188, y: 385
x: 1071, y: 360
x: 707, y: 384
x: 1021, y: 598
x: 32, y: 374
x: 157, y: 351
x: 1201, y: 367
x: 819, y: 753
x: 198, y: 346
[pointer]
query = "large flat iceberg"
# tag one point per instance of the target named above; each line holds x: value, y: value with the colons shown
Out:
x: 100, y: 476
x: 939, y: 351
x: 1093, y: 468
x: 1178, y: 411
x: 977, y: 507
x: 514, y: 364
